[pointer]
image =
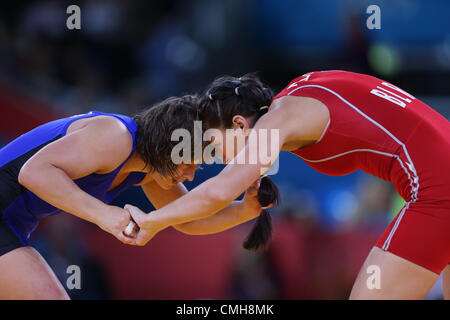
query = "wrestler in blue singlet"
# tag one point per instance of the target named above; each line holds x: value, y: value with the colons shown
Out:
x: 20, y: 208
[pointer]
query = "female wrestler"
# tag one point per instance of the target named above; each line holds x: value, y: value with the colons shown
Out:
x: 338, y: 122
x: 78, y: 165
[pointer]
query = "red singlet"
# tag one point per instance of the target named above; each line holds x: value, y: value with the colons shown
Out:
x: 381, y: 129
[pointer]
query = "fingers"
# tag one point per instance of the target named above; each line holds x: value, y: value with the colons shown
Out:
x: 124, y: 239
x: 140, y: 238
x: 135, y: 213
x: 143, y: 237
x: 135, y: 231
x: 129, y: 207
x: 129, y: 229
x: 139, y: 235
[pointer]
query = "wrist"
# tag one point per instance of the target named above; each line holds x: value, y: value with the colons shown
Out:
x: 96, y: 213
x: 155, y: 220
x: 250, y: 208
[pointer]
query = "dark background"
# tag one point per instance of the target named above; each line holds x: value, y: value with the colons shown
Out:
x: 131, y: 54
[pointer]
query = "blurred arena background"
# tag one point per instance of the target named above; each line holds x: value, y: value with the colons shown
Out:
x: 130, y: 54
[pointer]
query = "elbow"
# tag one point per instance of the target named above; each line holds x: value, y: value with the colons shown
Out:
x: 184, y: 229
x: 30, y: 175
x: 219, y: 196
x: 25, y: 177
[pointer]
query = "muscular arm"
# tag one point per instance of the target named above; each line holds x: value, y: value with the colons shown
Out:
x: 234, y: 214
x: 98, y: 147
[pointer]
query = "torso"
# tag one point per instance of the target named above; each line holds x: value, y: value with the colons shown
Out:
x: 376, y: 127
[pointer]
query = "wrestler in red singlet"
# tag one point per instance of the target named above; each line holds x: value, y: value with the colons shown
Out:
x: 381, y: 129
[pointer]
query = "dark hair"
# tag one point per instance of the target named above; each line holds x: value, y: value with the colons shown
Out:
x: 229, y: 96
x: 155, y: 127
x: 262, y: 230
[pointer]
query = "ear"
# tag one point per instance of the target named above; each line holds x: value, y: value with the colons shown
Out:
x: 240, y: 122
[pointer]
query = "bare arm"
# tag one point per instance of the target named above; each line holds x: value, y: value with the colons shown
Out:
x: 234, y: 214
x: 98, y: 147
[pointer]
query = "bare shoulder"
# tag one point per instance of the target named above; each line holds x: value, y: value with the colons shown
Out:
x: 298, y: 104
x: 112, y: 133
x: 303, y: 119
x: 104, y: 136
x: 111, y: 124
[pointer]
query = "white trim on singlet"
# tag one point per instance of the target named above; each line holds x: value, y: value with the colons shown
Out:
x: 347, y: 152
x: 410, y: 165
x: 394, y: 228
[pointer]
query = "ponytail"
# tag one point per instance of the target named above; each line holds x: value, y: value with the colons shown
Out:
x: 261, y: 233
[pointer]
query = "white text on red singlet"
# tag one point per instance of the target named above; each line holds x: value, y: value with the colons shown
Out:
x: 394, y: 95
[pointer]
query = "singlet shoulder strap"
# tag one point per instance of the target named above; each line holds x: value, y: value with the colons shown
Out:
x: 127, y: 121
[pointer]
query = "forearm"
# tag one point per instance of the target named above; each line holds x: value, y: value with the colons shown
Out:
x: 206, y: 199
x: 203, y: 201
x: 234, y: 214
x: 229, y: 217
x: 54, y: 186
x: 197, y: 204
